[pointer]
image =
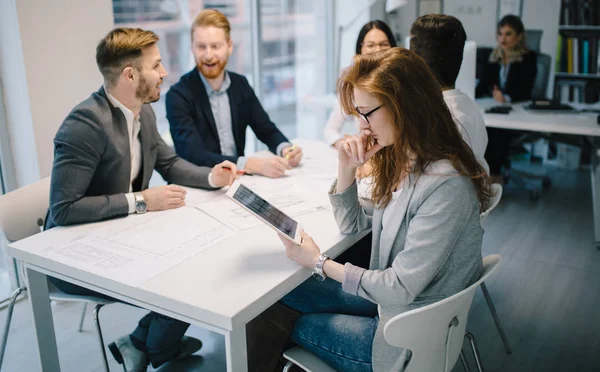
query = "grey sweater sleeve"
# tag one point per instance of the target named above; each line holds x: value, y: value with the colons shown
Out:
x: 347, y: 210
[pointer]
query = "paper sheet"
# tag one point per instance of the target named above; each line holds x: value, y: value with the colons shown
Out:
x: 143, y: 246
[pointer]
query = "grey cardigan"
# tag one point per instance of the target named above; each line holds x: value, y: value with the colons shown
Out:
x: 92, y: 163
x: 436, y: 252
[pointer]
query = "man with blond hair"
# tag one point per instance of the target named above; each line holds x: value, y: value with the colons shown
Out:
x: 210, y: 108
x: 104, y: 155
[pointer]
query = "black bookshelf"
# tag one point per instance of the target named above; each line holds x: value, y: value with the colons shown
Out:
x: 578, y: 47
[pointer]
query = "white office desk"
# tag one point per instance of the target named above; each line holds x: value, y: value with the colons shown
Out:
x: 581, y: 124
x: 578, y: 124
x: 221, y: 289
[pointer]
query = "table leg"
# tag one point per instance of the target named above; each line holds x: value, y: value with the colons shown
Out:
x: 235, y: 349
x: 42, y: 318
x: 595, y: 173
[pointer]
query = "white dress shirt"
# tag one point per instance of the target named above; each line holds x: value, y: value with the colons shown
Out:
x: 337, y: 120
x: 469, y: 119
x: 135, y: 146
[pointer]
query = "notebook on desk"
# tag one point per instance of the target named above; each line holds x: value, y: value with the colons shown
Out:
x: 548, y: 106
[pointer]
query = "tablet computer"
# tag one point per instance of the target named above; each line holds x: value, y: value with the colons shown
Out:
x: 265, y: 211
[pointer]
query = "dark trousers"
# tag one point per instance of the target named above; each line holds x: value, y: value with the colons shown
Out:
x: 497, y: 153
x: 157, y: 335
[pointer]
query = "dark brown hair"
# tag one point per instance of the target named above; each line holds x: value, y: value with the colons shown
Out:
x: 377, y: 24
x: 120, y: 48
x: 439, y: 39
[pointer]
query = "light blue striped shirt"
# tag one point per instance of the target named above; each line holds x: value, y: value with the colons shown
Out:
x: 221, y: 109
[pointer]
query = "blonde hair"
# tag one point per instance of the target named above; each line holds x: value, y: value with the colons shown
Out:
x: 424, y: 129
x: 212, y: 17
x: 120, y: 48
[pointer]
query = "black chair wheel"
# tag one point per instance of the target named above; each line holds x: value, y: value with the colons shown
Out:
x: 546, y: 182
x: 534, y: 195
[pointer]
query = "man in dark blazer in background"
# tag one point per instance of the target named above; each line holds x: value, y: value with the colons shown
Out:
x: 209, y: 108
x: 104, y: 155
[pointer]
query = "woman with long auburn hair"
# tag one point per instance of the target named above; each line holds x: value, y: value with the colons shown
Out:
x: 429, y: 190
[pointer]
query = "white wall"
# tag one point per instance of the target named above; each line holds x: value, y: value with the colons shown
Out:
x: 47, y: 66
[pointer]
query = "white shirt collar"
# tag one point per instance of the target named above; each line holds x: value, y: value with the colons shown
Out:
x: 451, y: 92
x: 129, y: 117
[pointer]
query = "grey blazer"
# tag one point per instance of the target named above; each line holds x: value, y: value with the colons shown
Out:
x: 435, y: 253
x: 92, y: 163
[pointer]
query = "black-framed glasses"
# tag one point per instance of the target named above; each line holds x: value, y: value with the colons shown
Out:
x: 366, y: 115
x: 372, y: 45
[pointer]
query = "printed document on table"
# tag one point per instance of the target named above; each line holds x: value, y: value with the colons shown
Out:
x: 139, y: 247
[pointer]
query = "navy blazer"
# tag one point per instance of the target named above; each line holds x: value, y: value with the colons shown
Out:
x: 193, y: 127
x: 519, y: 82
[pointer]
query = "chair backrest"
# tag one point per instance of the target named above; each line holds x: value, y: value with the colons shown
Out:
x: 533, y: 39
x: 23, y: 210
x: 434, y: 333
x: 497, y: 189
x: 482, y: 55
x: 540, y: 85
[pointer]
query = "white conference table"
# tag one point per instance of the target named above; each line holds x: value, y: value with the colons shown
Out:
x: 221, y: 289
x: 577, y: 124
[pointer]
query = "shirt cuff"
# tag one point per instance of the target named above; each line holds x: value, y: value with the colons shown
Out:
x: 281, y: 146
x: 210, y: 182
x: 131, y: 202
x: 241, y: 163
x: 352, y: 276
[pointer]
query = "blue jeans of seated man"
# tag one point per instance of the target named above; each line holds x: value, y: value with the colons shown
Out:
x: 157, y: 335
x: 335, y: 326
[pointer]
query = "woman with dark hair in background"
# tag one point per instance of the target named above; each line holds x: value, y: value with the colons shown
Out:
x: 373, y: 37
x: 508, y: 77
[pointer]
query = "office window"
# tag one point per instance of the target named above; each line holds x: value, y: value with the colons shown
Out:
x: 295, y: 40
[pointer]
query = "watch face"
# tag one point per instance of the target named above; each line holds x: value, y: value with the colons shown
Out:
x: 140, y: 207
x: 319, y: 277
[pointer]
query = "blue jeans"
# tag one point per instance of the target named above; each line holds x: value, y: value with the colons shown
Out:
x: 335, y: 326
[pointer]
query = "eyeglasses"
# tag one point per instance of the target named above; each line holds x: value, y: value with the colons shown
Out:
x: 382, y: 45
x: 366, y: 115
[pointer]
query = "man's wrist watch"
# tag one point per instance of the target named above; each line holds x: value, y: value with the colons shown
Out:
x: 318, y: 272
x: 140, y: 203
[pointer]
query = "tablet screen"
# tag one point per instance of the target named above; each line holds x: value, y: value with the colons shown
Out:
x: 266, y: 211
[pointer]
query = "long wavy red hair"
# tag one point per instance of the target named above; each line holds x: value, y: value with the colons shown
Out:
x: 425, y: 130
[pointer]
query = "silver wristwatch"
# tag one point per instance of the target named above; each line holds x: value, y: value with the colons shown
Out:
x: 140, y: 203
x: 318, y: 272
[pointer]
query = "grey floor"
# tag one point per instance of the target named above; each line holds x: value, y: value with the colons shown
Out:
x: 547, y: 293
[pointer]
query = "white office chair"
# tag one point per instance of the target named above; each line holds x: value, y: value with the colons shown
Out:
x: 497, y: 188
x: 22, y: 215
x: 434, y: 333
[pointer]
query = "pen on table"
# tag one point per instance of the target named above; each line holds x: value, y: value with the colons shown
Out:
x: 287, y: 156
x: 240, y: 172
